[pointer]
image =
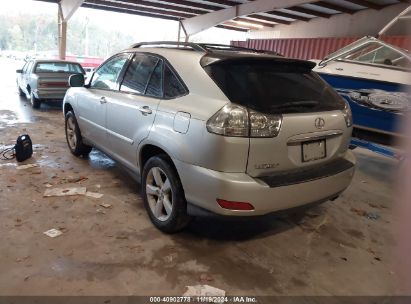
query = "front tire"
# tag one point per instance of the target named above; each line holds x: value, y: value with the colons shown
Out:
x: 35, y: 102
x: 21, y: 93
x: 163, y: 195
x: 73, y: 136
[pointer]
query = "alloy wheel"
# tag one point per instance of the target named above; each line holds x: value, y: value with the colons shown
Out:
x: 159, y: 193
x: 71, y: 133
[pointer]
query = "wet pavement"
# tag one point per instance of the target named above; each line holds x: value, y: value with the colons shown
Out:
x: 344, y: 247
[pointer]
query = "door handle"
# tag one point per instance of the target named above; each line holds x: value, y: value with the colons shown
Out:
x: 145, y: 110
x: 103, y: 100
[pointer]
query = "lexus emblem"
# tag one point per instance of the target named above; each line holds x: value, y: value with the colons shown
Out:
x: 319, y: 123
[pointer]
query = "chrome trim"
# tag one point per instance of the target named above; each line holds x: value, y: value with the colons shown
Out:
x: 314, y: 137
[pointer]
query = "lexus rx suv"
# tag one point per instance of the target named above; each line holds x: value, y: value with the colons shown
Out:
x: 214, y: 129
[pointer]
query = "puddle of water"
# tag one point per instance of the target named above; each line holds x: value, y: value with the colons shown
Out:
x: 99, y: 160
x: 8, y: 165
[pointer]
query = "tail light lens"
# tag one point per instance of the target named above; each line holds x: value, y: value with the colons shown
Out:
x: 263, y: 125
x: 347, y: 114
x: 237, y: 121
x: 234, y: 205
x: 232, y: 120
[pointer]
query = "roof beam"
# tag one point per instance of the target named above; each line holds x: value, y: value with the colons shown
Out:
x: 367, y: 4
x: 287, y: 15
x: 334, y: 7
x: 196, y: 5
x: 254, y: 22
x: 224, y: 2
x: 126, y: 11
x: 142, y: 3
x: 139, y: 9
x: 232, y: 28
x: 269, y: 19
x: 308, y: 11
x: 200, y: 23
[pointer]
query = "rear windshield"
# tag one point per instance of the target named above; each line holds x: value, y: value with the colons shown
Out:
x: 58, y: 67
x: 274, y: 87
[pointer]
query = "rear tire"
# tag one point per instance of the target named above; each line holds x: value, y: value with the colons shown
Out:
x: 35, y: 102
x: 73, y: 136
x: 163, y: 195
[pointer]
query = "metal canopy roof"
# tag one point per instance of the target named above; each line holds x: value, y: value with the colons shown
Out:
x: 183, y: 9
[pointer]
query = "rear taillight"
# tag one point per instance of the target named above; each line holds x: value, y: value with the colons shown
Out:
x: 347, y: 114
x: 237, y: 121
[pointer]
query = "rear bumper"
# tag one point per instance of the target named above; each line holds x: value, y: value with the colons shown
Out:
x: 203, y: 186
x: 50, y: 94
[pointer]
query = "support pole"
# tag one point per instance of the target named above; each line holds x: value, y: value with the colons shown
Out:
x: 62, y: 30
x: 179, y: 31
x: 181, y: 26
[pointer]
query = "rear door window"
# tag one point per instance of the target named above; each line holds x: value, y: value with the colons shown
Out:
x: 155, y: 85
x: 274, y: 87
x: 139, y: 74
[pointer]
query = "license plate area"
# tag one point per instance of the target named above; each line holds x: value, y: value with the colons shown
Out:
x: 313, y: 150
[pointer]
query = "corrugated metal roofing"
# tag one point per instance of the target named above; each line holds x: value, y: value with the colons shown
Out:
x: 182, y: 9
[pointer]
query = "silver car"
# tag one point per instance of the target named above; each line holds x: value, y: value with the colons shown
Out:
x: 45, y: 80
x: 214, y: 129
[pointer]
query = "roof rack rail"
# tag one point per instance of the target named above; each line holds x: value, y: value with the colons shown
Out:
x: 203, y: 47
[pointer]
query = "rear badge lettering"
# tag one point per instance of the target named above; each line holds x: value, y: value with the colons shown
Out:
x: 266, y: 166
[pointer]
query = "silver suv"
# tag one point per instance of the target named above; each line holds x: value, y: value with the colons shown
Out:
x: 211, y: 128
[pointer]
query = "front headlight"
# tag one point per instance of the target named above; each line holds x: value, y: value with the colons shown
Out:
x: 347, y: 114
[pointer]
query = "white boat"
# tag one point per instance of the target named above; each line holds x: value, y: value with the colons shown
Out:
x: 374, y: 77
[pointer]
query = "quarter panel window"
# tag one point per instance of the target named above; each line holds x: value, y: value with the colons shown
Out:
x: 106, y: 76
x: 172, y: 86
x: 138, y: 74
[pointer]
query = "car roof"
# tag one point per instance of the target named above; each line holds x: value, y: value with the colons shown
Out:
x: 53, y: 60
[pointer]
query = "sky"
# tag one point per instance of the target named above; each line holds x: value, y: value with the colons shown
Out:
x: 142, y: 28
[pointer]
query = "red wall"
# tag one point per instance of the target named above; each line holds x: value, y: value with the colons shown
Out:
x: 312, y: 48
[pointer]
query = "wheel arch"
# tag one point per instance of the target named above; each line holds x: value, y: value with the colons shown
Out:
x: 149, y: 150
x: 67, y: 107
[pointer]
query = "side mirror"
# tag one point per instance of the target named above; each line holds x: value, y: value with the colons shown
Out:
x: 76, y: 80
x: 19, y: 71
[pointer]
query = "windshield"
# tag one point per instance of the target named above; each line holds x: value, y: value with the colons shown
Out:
x: 274, y: 87
x: 376, y: 53
x: 58, y: 67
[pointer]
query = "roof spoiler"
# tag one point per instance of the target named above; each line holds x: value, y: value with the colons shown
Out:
x: 212, y: 60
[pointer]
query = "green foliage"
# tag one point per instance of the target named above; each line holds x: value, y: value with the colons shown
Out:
x: 27, y: 32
